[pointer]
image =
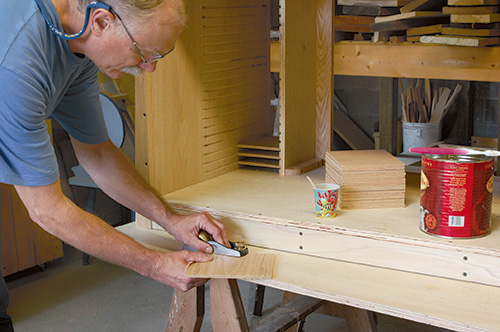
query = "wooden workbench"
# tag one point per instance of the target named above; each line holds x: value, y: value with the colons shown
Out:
x: 376, y: 259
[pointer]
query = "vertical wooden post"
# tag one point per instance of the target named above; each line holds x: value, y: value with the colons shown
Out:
x: 187, y: 310
x: 359, y: 319
x: 388, y: 115
x: 226, y: 309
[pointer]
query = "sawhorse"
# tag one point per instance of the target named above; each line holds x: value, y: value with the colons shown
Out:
x: 228, y: 315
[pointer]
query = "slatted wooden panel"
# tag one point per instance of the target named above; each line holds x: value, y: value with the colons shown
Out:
x: 235, y: 74
x: 211, y: 93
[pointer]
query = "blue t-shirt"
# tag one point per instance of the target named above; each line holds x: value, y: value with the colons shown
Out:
x: 40, y: 79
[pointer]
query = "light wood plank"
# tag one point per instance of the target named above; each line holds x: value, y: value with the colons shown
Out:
x: 460, y: 40
x: 251, y: 266
x: 407, y: 16
x: 479, y: 18
x: 430, y: 300
x: 187, y: 310
x: 472, y: 2
x: 425, y: 61
x: 226, y: 309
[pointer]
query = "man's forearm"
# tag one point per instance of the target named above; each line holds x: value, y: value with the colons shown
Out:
x: 59, y: 216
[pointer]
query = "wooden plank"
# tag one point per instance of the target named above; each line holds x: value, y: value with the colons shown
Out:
x: 470, y: 32
x: 448, y: 10
x: 275, y: 56
x: 388, y: 118
x: 426, y: 299
x: 360, y: 320
x: 407, y: 24
x: 251, y: 266
x: 423, y: 5
x: 324, y: 81
x: 472, y: 2
x: 287, y: 315
x: 350, y: 132
x: 352, y: 20
x: 479, y: 18
x: 259, y: 154
x: 424, y: 61
x: 353, y: 28
x: 304, y: 167
x: 408, y: 16
x: 369, y: 10
x: 187, y: 310
x: 269, y: 143
x: 460, y: 40
x: 299, y: 94
x: 226, y: 309
x: 375, y: 3
x: 425, y: 30
x: 259, y: 162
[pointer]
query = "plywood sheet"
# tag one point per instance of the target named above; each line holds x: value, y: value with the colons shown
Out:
x: 251, y: 266
x: 365, y: 160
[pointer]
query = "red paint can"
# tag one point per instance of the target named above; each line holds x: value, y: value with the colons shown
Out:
x: 456, y: 195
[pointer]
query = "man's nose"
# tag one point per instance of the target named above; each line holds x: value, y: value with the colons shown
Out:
x: 149, y: 67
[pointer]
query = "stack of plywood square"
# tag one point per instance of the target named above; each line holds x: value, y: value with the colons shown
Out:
x: 367, y: 178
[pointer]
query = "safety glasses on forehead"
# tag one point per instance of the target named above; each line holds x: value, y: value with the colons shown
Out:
x: 98, y: 5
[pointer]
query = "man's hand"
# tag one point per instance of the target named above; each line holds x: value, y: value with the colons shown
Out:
x: 170, y: 269
x: 186, y: 229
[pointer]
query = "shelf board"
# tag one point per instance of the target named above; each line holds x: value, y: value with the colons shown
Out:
x: 417, y: 60
x: 269, y: 143
x: 259, y: 154
x: 258, y: 162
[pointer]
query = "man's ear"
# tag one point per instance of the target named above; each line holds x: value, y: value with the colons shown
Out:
x: 100, y: 21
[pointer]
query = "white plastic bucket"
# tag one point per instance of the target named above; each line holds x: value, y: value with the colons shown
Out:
x: 420, y: 134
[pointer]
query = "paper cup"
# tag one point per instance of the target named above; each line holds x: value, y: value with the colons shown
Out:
x: 325, y: 197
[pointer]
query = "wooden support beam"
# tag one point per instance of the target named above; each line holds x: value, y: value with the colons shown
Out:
x: 287, y: 315
x: 226, y: 309
x: 388, y: 115
x: 359, y: 320
x: 187, y: 310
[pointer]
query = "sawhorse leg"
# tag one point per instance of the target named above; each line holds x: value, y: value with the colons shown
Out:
x: 187, y: 310
x: 227, y: 312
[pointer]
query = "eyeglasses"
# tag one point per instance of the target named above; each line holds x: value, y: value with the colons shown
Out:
x: 144, y: 60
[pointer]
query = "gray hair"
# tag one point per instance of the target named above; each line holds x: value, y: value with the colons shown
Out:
x: 141, y: 9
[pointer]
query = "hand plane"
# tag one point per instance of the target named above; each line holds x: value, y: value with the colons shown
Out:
x: 238, y: 249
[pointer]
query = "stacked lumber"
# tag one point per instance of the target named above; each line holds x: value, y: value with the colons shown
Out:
x: 353, y: 18
x: 368, y: 179
x: 425, y: 104
x: 387, y: 19
x: 414, y: 14
x: 473, y: 23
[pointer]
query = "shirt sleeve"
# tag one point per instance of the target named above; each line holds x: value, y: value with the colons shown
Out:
x: 80, y: 111
x: 27, y: 157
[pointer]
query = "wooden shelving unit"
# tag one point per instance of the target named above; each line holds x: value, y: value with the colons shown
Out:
x: 262, y: 152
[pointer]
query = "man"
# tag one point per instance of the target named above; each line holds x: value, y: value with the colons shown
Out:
x: 48, y: 69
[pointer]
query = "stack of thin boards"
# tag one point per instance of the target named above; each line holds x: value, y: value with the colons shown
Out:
x: 353, y: 18
x: 368, y: 179
x: 388, y: 18
x: 472, y: 23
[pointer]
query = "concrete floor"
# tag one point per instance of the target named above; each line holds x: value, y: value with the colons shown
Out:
x: 67, y: 296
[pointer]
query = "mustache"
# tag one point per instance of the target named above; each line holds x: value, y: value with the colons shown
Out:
x: 134, y: 71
